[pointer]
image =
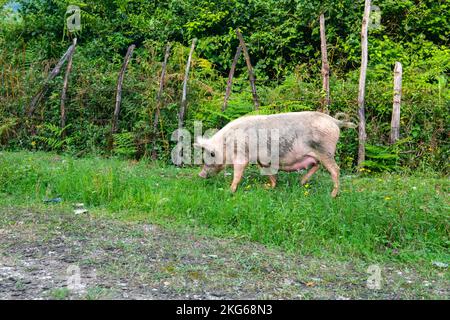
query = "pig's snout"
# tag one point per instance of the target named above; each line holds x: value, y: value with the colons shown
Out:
x: 203, y: 174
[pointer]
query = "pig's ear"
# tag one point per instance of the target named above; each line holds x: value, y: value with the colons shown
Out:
x: 201, y: 142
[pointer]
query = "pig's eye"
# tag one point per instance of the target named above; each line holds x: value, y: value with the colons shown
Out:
x: 213, y: 154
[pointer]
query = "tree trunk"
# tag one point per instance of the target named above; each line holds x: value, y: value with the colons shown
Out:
x: 230, y: 77
x: 251, y: 74
x: 159, y: 100
x: 115, y: 124
x: 64, y: 89
x: 37, y: 98
x: 395, y: 122
x: 183, y: 106
x: 362, y: 85
x: 325, y: 67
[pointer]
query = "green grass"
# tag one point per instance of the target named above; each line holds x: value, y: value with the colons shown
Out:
x: 59, y: 293
x: 377, y: 218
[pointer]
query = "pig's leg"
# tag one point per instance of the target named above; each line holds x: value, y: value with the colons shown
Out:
x: 311, y: 171
x: 237, y: 175
x: 333, y: 168
x: 273, y: 180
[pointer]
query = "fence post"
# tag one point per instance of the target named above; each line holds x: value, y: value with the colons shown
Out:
x: 37, y: 98
x: 183, y: 106
x: 362, y: 136
x: 230, y: 77
x: 115, y: 124
x: 251, y: 74
x: 395, y: 122
x: 325, y: 66
x: 64, y: 89
x: 159, y: 100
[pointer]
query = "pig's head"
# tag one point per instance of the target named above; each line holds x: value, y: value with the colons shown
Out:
x: 213, y: 157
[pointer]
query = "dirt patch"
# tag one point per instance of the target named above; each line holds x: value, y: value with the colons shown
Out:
x: 54, y: 254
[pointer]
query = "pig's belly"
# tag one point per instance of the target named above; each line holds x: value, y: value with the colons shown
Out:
x: 303, y: 163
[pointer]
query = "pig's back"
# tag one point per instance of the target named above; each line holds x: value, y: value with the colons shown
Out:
x: 289, y: 122
x: 300, y: 133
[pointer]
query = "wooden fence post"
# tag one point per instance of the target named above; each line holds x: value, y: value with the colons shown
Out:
x: 230, y: 77
x: 325, y: 66
x: 362, y: 85
x: 115, y: 124
x: 64, y: 89
x: 395, y: 122
x: 159, y: 100
x: 251, y: 74
x: 37, y: 98
x: 183, y: 106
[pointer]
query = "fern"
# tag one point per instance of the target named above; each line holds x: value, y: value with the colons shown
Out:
x: 124, y: 144
x: 53, y: 137
x: 205, y: 64
x: 7, y: 128
x: 383, y: 158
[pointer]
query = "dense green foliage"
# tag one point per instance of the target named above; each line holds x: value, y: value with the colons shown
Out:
x: 284, y: 44
x: 389, y: 217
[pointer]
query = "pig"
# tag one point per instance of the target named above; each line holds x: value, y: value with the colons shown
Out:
x: 305, y: 140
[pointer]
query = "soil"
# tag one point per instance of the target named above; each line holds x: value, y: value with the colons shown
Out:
x: 44, y: 252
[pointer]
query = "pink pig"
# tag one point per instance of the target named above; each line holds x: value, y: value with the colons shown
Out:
x: 304, y: 140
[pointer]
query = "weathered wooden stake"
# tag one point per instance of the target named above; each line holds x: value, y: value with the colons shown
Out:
x: 37, y: 98
x: 251, y: 74
x: 362, y: 85
x: 115, y: 124
x: 64, y: 89
x: 230, y: 77
x: 183, y: 106
x: 395, y: 122
x: 325, y: 66
x: 159, y: 100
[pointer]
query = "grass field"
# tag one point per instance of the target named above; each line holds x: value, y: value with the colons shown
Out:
x: 160, y: 232
x: 396, y: 218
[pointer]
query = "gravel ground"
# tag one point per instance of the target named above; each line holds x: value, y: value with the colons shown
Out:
x: 54, y: 254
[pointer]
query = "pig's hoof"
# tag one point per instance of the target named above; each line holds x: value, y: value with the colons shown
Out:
x: 233, y: 189
x: 334, y: 193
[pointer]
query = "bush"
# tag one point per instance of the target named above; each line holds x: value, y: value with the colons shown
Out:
x: 283, y: 41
